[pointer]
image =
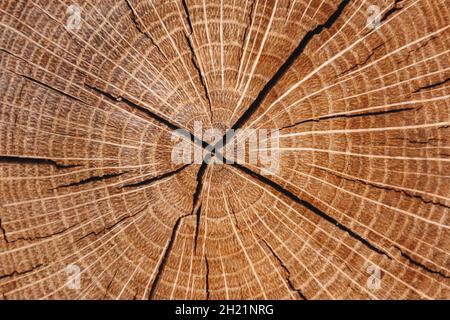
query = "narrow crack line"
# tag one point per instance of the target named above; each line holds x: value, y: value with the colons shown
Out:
x: 51, y: 88
x: 41, y: 237
x: 283, y: 69
x: 394, y: 189
x: 108, y: 287
x: 14, y: 55
x: 422, y: 45
x: 195, y: 208
x: 91, y: 179
x: 434, y: 85
x: 139, y: 27
x: 198, y: 214
x: 152, y: 115
x: 207, y: 278
x: 197, y: 202
x: 349, y: 116
x: 2, y: 229
x: 165, y: 257
x: 358, y: 65
x: 391, y: 11
x: 200, y: 73
x: 418, y: 264
x: 188, y: 17
x: 194, y: 57
x: 311, y: 207
x: 34, y: 161
x: 195, y: 60
x: 37, y: 81
x: 135, y: 106
x: 65, y: 230
x: 156, y: 178
x: 17, y: 273
x: 112, y: 226
x: 288, y: 278
x: 250, y: 19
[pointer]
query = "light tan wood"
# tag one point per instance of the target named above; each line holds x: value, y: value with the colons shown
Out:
x: 86, y: 176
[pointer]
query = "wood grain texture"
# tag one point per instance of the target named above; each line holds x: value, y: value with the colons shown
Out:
x: 86, y: 176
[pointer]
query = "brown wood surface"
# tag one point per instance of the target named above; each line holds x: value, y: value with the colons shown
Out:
x: 86, y: 176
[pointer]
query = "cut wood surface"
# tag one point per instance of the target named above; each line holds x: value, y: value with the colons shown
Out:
x: 92, y: 205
